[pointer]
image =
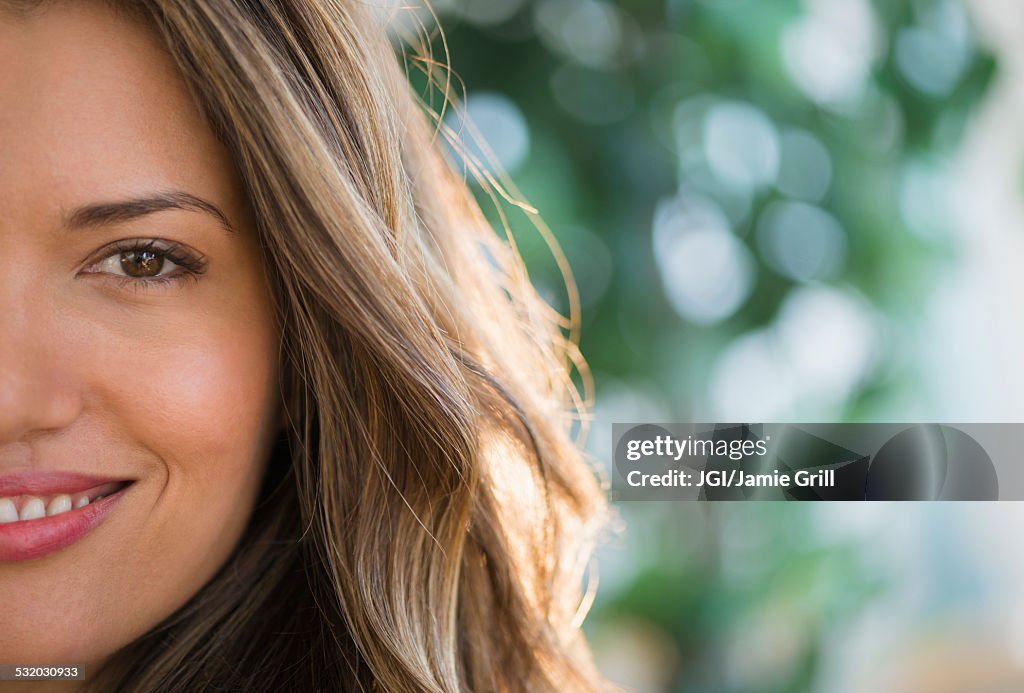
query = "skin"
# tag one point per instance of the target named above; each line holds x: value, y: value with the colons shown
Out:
x: 174, y: 385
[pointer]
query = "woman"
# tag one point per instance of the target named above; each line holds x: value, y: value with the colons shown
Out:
x: 278, y: 411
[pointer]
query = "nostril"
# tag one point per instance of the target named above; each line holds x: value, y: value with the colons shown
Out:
x: 34, y: 399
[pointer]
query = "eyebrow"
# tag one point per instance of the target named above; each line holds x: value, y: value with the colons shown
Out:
x: 105, y: 213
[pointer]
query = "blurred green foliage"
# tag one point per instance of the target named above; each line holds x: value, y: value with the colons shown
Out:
x: 836, y: 117
x: 605, y: 147
x: 747, y: 594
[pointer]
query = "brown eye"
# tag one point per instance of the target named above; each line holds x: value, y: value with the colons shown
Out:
x: 141, y: 263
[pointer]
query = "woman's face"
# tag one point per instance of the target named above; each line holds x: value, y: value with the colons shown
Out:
x: 137, y: 339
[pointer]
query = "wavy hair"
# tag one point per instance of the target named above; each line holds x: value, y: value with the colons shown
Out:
x: 428, y: 513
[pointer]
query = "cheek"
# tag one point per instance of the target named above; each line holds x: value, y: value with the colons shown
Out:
x: 197, y: 407
x: 203, y: 415
x: 189, y: 407
x: 199, y: 397
x: 193, y: 381
x: 208, y: 427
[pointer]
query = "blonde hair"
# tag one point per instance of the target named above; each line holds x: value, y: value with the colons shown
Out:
x: 426, y: 522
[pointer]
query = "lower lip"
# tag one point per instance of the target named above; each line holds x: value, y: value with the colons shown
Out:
x: 24, y: 540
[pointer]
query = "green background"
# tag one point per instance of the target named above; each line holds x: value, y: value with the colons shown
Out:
x: 750, y: 195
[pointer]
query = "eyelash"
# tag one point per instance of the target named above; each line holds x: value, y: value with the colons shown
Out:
x: 190, y: 265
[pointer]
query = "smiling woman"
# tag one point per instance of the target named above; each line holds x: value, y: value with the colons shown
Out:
x: 278, y: 410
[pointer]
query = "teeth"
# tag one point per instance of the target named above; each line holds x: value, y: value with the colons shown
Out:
x: 59, y: 504
x: 8, y: 513
x: 33, y: 509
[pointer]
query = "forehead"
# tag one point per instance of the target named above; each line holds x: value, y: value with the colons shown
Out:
x: 92, y: 104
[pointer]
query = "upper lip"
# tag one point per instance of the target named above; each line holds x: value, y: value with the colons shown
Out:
x: 42, y: 483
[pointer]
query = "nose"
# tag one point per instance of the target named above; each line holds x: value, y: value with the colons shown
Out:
x: 36, y: 393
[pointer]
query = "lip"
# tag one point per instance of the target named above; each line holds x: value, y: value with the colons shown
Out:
x: 40, y: 483
x: 28, y: 539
